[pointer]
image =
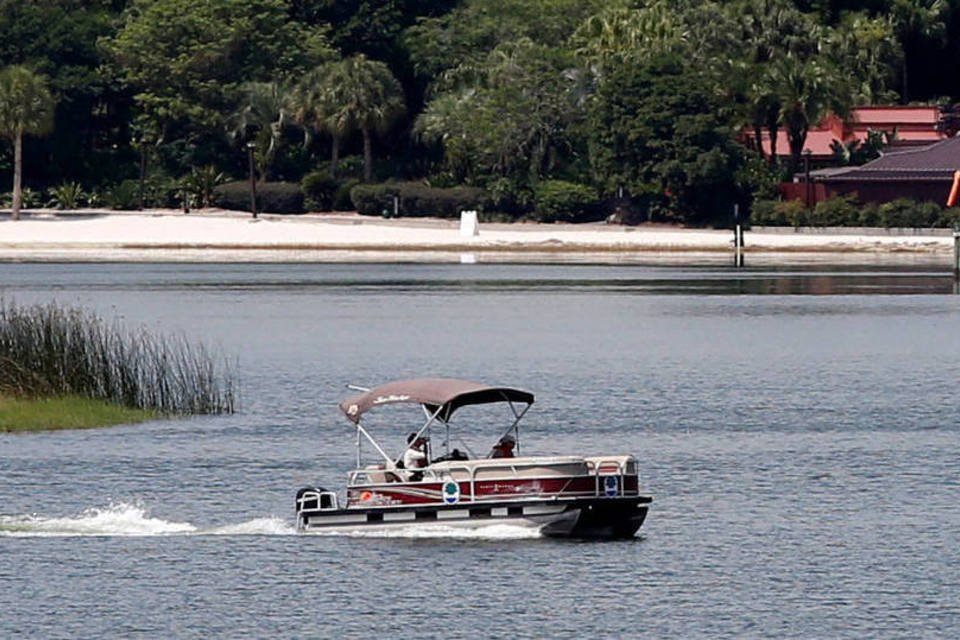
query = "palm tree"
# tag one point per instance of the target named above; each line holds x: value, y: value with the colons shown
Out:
x: 362, y: 94
x: 314, y: 108
x: 807, y: 91
x: 870, y: 52
x: 445, y: 119
x: 914, y: 20
x: 768, y: 30
x: 261, y: 116
x: 26, y: 107
x: 629, y: 35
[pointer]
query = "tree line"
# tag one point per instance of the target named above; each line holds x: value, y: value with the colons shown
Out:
x: 632, y: 103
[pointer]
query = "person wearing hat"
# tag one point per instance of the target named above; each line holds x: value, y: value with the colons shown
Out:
x: 415, y: 457
x: 504, y: 447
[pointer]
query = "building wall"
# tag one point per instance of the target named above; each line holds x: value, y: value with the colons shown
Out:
x: 880, y: 192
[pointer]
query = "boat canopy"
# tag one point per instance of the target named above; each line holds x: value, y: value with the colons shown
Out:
x: 441, y: 396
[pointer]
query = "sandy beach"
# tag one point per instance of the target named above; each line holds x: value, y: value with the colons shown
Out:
x: 214, y: 235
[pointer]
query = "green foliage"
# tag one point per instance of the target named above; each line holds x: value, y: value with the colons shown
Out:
x: 867, y: 49
x: 416, y: 199
x: 807, y: 91
x: 857, y: 153
x: 319, y: 190
x: 26, y: 107
x: 513, y: 90
x: 30, y: 199
x: 65, y: 412
x: 510, y: 196
x: 910, y: 214
x: 759, y: 178
x: 187, y: 59
x: 658, y: 127
x: 200, y: 184
x: 561, y: 201
x: 842, y: 211
x: 259, y: 119
x: 777, y: 213
x: 58, y: 38
x: 835, y: 212
x: 342, y: 201
x: 869, y: 215
x: 466, y: 35
x: 272, y: 197
x: 513, y: 121
x: 68, y: 195
x: 26, y: 103
x: 124, y: 195
x: 372, y: 28
x: 51, y: 351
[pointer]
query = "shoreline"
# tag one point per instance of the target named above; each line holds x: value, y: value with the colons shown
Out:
x: 216, y: 235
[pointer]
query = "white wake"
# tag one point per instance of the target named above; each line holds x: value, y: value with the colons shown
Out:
x: 122, y: 519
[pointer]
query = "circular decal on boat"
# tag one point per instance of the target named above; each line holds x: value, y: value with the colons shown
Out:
x: 451, y: 492
x: 610, y: 486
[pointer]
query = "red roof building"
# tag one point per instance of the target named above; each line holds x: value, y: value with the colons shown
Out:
x: 914, y: 126
x: 922, y: 173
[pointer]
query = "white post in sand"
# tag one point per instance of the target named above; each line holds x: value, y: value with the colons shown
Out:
x: 469, y: 226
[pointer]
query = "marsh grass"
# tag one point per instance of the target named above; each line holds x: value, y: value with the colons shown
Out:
x: 47, y: 351
x: 65, y: 412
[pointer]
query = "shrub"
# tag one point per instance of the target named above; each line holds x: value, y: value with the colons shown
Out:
x: 904, y: 213
x: 341, y: 199
x: 162, y: 191
x: 835, y: 212
x: 319, y: 190
x: 200, y: 184
x: 869, y: 215
x: 778, y: 213
x: 350, y: 167
x: 415, y: 199
x: 123, y: 196
x: 68, y: 195
x: 30, y: 199
x: 761, y: 213
x: 509, y: 196
x: 562, y: 201
x: 949, y: 217
x: 272, y: 197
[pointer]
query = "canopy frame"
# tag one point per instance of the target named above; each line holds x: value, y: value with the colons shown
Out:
x: 439, y: 398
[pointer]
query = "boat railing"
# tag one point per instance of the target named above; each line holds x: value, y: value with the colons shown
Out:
x: 605, y: 470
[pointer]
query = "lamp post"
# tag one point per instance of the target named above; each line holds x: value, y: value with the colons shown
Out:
x: 806, y: 179
x: 253, y: 179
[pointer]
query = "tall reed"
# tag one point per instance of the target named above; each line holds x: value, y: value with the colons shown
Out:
x: 49, y: 349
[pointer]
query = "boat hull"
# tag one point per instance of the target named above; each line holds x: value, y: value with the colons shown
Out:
x: 594, y: 518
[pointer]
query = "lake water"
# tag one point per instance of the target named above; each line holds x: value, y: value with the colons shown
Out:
x: 798, y: 430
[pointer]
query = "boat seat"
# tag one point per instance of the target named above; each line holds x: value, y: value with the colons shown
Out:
x: 378, y: 475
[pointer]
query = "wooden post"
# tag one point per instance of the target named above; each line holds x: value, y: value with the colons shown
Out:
x: 956, y: 252
x: 737, y: 238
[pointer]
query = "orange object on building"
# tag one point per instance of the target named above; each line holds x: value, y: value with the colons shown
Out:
x: 952, y: 199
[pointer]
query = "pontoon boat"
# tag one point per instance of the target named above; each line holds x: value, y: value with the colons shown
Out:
x: 561, y: 496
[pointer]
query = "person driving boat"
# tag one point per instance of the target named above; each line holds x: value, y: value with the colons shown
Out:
x: 415, y: 457
x: 504, y: 447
